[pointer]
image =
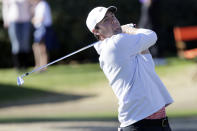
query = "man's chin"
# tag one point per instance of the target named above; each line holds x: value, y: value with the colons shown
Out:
x: 118, y: 31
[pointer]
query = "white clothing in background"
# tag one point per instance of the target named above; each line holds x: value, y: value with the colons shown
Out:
x: 42, y: 14
x: 16, y: 11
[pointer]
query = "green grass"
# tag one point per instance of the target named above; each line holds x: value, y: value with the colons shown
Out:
x: 174, y: 65
x: 78, y: 75
x: 105, y: 116
x: 185, y: 113
x: 68, y: 77
x: 59, y: 78
x: 55, y: 80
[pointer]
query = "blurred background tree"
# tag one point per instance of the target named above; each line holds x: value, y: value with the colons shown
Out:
x: 69, y: 18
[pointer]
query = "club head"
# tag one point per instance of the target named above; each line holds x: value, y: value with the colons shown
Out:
x: 20, y: 81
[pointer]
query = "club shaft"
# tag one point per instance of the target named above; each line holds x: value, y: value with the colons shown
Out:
x: 66, y: 56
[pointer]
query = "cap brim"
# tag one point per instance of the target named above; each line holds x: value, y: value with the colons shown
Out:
x: 112, y: 9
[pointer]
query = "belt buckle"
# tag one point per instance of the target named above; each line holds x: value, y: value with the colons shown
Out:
x: 164, y: 122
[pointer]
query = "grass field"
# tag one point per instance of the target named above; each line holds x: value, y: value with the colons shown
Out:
x: 55, y: 79
x: 66, y: 92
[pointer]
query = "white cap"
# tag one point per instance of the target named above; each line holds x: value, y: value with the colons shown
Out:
x: 96, y: 15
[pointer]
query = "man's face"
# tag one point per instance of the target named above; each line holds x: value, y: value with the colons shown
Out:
x: 108, y: 26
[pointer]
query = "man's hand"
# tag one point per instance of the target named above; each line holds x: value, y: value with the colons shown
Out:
x: 145, y: 52
x: 129, y: 29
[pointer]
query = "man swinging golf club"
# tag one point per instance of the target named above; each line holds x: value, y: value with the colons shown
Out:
x: 128, y: 65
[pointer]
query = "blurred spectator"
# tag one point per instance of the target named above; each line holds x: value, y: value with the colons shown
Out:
x: 17, y: 18
x: 151, y: 18
x: 144, y: 18
x: 42, y: 35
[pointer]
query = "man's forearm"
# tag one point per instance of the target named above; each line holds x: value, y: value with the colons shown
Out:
x: 130, y: 29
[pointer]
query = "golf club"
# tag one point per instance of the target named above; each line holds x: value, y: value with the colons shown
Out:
x: 20, y: 80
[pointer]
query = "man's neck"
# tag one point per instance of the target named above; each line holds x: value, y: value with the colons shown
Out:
x: 114, y: 33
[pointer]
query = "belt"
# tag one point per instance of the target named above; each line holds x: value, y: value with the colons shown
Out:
x: 147, y: 123
x: 153, y: 122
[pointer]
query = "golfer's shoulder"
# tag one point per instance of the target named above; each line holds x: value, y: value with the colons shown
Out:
x: 112, y: 44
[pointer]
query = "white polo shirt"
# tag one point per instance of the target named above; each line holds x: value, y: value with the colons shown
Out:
x: 132, y: 75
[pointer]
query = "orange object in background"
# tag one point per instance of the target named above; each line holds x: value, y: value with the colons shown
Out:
x: 190, y: 54
x: 185, y: 33
x: 182, y: 34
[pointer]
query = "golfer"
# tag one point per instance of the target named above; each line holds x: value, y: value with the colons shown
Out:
x: 129, y: 67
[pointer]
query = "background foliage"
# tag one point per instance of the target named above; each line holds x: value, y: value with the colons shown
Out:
x: 69, y: 24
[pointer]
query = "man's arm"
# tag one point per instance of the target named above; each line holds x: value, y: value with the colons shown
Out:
x: 130, y: 29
